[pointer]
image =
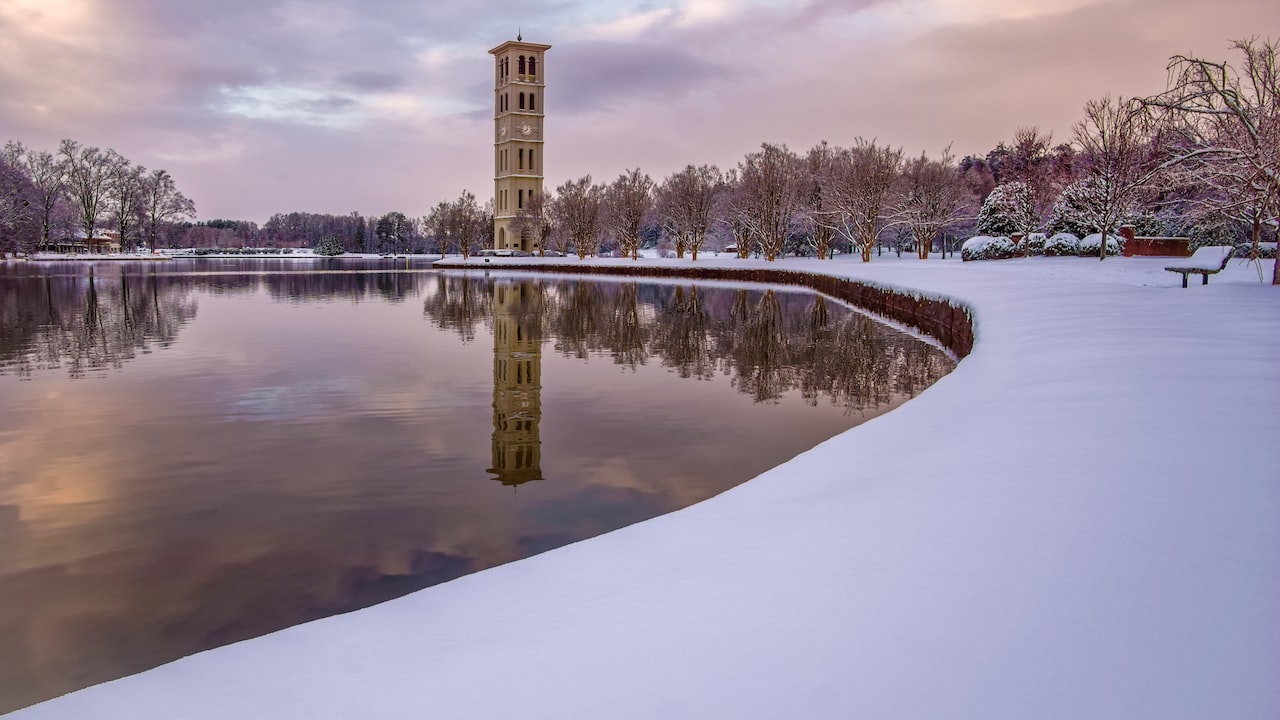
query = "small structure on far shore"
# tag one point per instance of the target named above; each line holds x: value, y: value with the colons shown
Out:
x: 1152, y: 245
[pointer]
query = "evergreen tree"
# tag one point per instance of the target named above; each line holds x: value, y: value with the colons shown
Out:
x: 1076, y: 208
x: 329, y: 245
x: 1009, y: 209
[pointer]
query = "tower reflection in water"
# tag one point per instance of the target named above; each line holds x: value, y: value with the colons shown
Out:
x: 517, y: 378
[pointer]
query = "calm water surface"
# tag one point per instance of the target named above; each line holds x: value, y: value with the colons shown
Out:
x: 198, y: 452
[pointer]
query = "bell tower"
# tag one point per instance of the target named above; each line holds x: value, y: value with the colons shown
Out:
x: 517, y: 382
x: 518, y: 112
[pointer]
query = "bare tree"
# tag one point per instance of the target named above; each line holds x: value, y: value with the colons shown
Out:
x: 463, y: 224
x: 534, y: 220
x: 627, y: 201
x: 1114, y: 138
x: 162, y: 203
x: 857, y: 187
x: 442, y: 223
x: 687, y: 206
x: 931, y: 196
x: 89, y: 172
x: 476, y: 223
x: 815, y: 210
x: 18, y: 202
x: 124, y: 198
x: 576, y: 211
x: 770, y: 193
x: 1030, y: 160
x: 1228, y: 124
x: 48, y: 183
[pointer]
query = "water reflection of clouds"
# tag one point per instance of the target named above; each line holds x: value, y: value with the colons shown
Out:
x: 277, y: 464
x: 304, y: 398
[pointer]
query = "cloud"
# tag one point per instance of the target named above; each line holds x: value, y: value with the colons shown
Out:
x: 371, y: 80
x: 260, y: 104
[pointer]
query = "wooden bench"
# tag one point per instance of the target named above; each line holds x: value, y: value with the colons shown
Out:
x: 1208, y: 260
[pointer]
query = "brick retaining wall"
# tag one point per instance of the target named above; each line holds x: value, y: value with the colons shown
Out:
x: 947, y: 322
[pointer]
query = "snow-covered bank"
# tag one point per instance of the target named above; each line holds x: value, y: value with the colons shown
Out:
x: 1081, y: 521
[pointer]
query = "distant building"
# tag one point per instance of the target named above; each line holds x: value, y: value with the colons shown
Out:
x: 518, y: 141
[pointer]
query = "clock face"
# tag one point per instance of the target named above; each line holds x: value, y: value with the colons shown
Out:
x: 526, y: 129
x: 502, y: 131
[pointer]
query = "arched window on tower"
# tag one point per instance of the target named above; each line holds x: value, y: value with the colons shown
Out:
x: 533, y: 67
x: 520, y: 158
x: 521, y: 101
x: 520, y: 199
x: 522, y: 65
x: 531, y: 165
x: 531, y: 107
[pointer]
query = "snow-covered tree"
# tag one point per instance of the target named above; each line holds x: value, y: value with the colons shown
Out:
x: 163, y: 203
x: 1226, y: 121
x: 328, y: 245
x: 1009, y: 209
x: 770, y: 194
x: 533, y: 220
x: 1113, y: 137
x: 811, y: 222
x: 124, y: 199
x: 576, y: 212
x: 686, y: 206
x: 627, y: 202
x: 47, y: 174
x: 89, y: 171
x: 392, y: 230
x: 18, y: 202
x: 1076, y: 208
x: 857, y: 188
x: 931, y: 196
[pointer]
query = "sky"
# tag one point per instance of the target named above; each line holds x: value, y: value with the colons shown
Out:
x: 265, y: 106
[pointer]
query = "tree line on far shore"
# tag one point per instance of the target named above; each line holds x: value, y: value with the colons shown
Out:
x: 74, y: 196
x: 1197, y: 160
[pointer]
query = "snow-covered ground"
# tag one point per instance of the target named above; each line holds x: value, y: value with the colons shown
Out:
x: 1081, y: 521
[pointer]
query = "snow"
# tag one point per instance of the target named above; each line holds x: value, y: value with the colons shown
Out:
x: 1062, y: 243
x: 1023, y: 540
x: 977, y: 243
x: 1209, y: 257
x: 1091, y: 244
x: 986, y: 247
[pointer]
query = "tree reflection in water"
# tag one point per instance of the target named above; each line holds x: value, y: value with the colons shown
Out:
x: 87, y: 318
x: 88, y: 323
x: 769, y: 342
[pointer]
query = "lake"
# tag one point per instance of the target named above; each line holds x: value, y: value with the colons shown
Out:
x: 196, y: 452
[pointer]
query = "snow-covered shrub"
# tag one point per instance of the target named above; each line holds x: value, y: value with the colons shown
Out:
x: 1033, y: 244
x: 1009, y: 209
x: 1091, y: 244
x: 1063, y: 243
x: 985, y: 247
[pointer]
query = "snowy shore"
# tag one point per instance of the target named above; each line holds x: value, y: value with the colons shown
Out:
x: 1081, y: 521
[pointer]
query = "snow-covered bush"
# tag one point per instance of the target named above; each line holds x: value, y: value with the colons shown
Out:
x: 1063, y: 243
x: 1009, y: 209
x: 1033, y: 244
x: 985, y: 247
x: 1091, y: 244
